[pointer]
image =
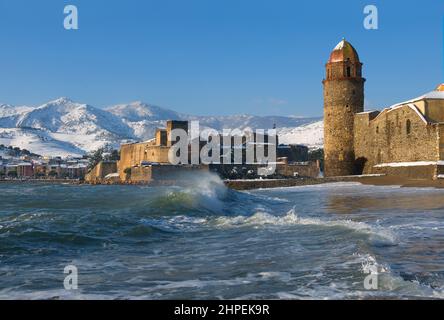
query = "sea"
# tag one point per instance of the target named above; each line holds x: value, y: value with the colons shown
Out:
x: 202, y: 240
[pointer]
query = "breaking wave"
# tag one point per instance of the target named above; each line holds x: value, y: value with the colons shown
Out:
x: 204, y: 191
x: 377, y: 234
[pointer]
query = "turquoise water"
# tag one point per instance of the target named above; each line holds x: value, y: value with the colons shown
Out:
x: 203, y: 241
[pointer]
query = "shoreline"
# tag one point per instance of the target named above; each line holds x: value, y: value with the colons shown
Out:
x: 365, y: 180
x: 53, y: 181
x: 241, y: 185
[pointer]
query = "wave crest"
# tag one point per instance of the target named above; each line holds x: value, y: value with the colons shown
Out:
x: 379, y: 235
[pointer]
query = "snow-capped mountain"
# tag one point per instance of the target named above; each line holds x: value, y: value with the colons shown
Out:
x: 63, y: 127
x: 65, y: 116
x: 140, y: 111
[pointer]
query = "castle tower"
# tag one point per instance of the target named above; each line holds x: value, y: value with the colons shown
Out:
x: 343, y: 98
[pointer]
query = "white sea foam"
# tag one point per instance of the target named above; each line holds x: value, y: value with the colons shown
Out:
x: 176, y: 223
x: 291, y: 218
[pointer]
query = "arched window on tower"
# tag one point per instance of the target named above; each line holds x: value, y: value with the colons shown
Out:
x: 348, y: 72
x: 409, y: 127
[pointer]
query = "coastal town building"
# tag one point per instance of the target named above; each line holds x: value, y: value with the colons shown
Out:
x: 42, y: 168
x: 406, y: 139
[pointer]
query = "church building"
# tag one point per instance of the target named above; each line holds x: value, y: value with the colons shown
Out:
x: 405, y: 140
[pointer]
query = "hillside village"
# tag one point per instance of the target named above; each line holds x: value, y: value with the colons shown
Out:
x: 16, y: 163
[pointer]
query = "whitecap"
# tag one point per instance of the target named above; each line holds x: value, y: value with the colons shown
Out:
x: 376, y: 233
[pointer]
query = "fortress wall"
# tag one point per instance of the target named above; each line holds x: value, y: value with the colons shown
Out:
x: 149, y: 174
x: 176, y: 172
x: 133, y: 154
x: 130, y: 155
x: 156, y: 154
x: 100, y: 171
x: 141, y: 174
x: 308, y: 170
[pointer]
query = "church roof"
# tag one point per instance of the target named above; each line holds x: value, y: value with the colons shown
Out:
x: 344, y: 51
x: 437, y: 94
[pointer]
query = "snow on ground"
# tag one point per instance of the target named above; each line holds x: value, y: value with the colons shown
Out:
x: 311, y: 135
x: 409, y: 164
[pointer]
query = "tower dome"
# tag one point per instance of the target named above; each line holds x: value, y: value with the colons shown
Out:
x: 440, y: 87
x: 344, y: 51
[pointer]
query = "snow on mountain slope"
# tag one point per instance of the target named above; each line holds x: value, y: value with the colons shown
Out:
x: 65, y: 116
x: 311, y: 135
x: 140, y: 111
x: 253, y: 122
x: 38, y: 141
x: 144, y: 119
x: 9, y: 115
x: 61, y: 127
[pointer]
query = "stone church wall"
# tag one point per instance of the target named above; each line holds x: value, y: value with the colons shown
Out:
x: 397, y: 135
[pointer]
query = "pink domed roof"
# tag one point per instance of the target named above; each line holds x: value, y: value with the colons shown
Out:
x: 342, y: 52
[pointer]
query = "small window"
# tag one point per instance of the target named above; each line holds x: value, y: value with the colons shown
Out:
x: 348, y: 72
x: 409, y: 126
x: 341, y: 156
x: 377, y: 129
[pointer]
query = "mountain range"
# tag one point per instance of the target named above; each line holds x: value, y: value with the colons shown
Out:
x: 66, y: 128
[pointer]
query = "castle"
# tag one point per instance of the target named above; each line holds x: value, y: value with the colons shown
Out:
x: 148, y: 161
x: 405, y: 140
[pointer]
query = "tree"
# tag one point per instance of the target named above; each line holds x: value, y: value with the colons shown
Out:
x: 115, y: 155
x: 40, y: 174
x: 127, y: 172
x: 52, y: 173
x: 317, y: 154
x: 12, y: 174
x: 95, y: 158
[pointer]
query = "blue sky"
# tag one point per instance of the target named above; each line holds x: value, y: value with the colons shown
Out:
x: 214, y: 56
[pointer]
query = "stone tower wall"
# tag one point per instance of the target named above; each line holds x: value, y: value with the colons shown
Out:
x: 343, y: 98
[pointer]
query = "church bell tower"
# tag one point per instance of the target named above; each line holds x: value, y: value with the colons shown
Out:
x: 343, y: 98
